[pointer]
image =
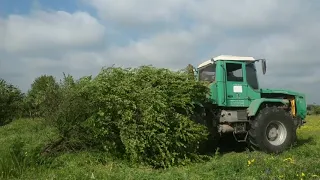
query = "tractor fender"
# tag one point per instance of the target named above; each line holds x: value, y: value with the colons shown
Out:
x: 255, y: 104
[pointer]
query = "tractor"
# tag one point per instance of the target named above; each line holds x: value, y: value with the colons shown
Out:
x: 265, y: 119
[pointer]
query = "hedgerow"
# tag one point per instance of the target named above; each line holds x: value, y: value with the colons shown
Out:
x: 141, y: 114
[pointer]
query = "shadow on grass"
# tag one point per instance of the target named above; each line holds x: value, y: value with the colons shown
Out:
x: 302, y: 142
x: 228, y: 144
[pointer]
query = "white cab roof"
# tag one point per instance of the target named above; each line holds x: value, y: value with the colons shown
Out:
x: 226, y: 57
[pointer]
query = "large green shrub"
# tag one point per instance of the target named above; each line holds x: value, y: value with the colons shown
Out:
x: 11, y: 102
x: 141, y: 114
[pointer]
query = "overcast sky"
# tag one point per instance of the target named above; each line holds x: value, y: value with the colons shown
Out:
x: 81, y: 36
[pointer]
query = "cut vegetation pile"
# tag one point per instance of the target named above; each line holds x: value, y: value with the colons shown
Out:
x: 142, y: 115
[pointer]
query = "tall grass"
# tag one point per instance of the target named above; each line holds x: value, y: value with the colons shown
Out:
x: 300, y: 162
x: 15, y: 161
x: 21, y: 142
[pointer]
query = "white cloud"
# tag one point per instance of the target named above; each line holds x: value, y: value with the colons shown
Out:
x: 137, y: 11
x: 164, y: 49
x: 244, y: 13
x: 173, y: 49
x: 2, y: 34
x: 286, y: 33
x: 228, y: 13
x: 298, y: 45
x: 23, y: 70
x: 51, y: 31
x: 47, y: 43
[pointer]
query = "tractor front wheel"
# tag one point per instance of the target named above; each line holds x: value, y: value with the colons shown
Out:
x: 272, y: 131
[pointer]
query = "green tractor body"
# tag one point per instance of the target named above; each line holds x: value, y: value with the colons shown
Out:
x: 267, y: 119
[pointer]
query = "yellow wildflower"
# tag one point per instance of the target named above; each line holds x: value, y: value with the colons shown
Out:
x: 250, y: 162
x: 290, y: 160
x: 281, y: 176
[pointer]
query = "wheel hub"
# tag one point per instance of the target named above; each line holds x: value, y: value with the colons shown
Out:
x: 276, y: 133
x: 273, y: 134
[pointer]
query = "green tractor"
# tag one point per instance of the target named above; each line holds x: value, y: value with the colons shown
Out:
x: 266, y: 119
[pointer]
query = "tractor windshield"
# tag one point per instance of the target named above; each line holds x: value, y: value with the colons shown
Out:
x: 208, y: 73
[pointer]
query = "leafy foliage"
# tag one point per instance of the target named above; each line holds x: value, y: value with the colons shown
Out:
x: 141, y: 114
x: 41, y: 97
x: 72, y: 110
x: 313, y: 109
x: 11, y: 102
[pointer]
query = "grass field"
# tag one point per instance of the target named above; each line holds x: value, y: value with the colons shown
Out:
x: 25, y: 135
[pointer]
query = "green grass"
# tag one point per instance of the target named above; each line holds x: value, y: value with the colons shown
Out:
x: 25, y: 136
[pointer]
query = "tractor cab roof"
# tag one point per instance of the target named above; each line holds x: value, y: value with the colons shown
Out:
x: 226, y: 58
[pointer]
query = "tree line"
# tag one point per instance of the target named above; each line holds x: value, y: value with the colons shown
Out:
x: 313, y: 109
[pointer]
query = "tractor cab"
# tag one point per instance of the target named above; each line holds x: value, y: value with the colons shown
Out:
x: 206, y: 71
x: 233, y: 79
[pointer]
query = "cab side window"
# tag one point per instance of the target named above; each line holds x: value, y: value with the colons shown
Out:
x: 234, y: 72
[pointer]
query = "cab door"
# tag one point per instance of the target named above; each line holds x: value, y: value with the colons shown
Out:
x: 236, y: 86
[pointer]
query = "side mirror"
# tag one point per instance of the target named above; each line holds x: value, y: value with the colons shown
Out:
x: 195, y: 70
x: 196, y: 73
x: 264, y: 66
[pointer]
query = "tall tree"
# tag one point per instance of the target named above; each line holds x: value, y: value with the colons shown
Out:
x: 41, y: 94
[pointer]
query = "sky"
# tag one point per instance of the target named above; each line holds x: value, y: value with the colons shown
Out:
x: 79, y: 37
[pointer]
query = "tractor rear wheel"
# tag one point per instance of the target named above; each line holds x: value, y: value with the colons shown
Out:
x: 272, y: 131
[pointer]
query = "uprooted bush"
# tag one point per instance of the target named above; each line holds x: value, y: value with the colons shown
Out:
x: 140, y: 114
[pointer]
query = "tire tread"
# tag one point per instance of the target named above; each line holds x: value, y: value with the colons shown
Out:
x: 256, y: 143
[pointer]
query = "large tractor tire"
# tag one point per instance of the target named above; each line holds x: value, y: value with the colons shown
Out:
x: 272, y: 131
